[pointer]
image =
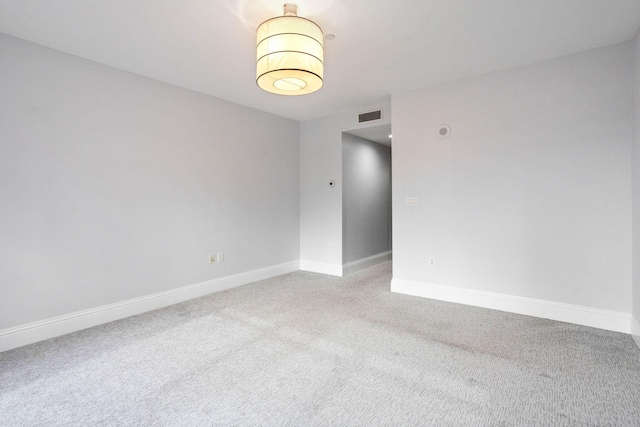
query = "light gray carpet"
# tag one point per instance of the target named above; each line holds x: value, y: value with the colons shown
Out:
x: 306, y: 349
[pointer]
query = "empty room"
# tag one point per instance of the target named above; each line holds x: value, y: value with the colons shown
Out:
x: 338, y: 212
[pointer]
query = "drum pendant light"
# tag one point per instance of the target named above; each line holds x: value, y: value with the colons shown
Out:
x: 289, y: 54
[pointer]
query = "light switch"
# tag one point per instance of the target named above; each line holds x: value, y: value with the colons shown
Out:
x: 411, y: 201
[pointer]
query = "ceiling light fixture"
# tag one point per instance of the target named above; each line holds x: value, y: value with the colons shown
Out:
x: 289, y: 54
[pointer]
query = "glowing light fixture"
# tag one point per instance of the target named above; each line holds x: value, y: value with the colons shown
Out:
x: 289, y: 54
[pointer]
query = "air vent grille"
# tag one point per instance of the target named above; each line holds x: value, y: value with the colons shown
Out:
x: 370, y: 116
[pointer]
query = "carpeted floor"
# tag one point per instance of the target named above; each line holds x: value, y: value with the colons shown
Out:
x: 307, y: 349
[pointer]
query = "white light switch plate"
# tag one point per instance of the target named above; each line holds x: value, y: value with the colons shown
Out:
x: 411, y: 201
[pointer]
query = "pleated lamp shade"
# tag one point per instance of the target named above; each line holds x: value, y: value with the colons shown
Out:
x: 289, y: 55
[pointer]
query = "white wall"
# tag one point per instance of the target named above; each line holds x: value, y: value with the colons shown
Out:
x: 636, y: 190
x: 321, y: 205
x: 530, y: 195
x: 115, y: 186
x: 366, y: 199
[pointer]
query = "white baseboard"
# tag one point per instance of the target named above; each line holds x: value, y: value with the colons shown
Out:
x: 363, y: 263
x: 635, y: 331
x: 61, y: 325
x: 321, y: 267
x: 580, y: 315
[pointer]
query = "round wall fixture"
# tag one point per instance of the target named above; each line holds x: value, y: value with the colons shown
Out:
x: 444, y: 131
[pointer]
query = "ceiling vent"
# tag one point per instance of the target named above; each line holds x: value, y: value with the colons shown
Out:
x: 370, y: 116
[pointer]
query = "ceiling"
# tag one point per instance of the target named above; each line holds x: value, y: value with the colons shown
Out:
x: 381, y: 47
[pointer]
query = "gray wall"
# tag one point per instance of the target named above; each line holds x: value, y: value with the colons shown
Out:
x: 115, y: 186
x: 321, y: 205
x: 636, y: 181
x: 531, y: 194
x: 366, y: 198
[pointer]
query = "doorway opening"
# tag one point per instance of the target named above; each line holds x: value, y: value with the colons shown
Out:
x: 366, y: 197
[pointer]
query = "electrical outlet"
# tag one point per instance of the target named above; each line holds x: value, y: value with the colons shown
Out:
x: 432, y: 261
x: 330, y: 247
x: 212, y: 259
x: 220, y: 256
